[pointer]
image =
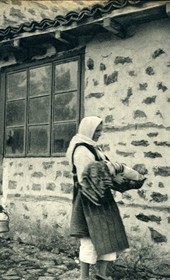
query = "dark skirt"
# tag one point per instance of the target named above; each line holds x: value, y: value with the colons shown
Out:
x: 103, y: 224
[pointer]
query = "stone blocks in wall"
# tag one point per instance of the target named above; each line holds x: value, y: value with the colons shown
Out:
x: 158, y: 197
x: 144, y: 72
x: 146, y: 226
x: 39, y: 177
x: 51, y: 186
x: 158, y: 53
x: 34, y: 218
x: 150, y: 71
x: 156, y: 236
x: 95, y: 94
x: 139, y: 114
x: 109, y: 79
x: 102, y: 67
x: 161, y: 86
x: 140, y: 143
x: 149, y: 100
x: 36, y: 187
x: 12, y: 184
x: 138, y: 150
x: 37, y: 174
x: 152, y: 134
x: 163, y: 171
x: 48, y: 164
x: 162, y: 143
x: 141, y: 168
x: 90, y: 64
x: 66, y: 188
x: 125, y: 101
x: 125, y: 154
x: 147, y: 218
x: 152, y: 154
x: 109, y: 119
x: 122, y: 60
x: 143, y: 86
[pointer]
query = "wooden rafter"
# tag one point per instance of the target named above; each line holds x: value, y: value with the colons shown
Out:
x: 168, y: 9
x: 65, y: 38
x: 115, y: 27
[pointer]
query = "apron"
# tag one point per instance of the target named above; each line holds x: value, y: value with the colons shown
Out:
x: 103, y: 224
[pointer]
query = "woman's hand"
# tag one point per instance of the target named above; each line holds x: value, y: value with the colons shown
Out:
x: 119, y: 178
x: 141, y: 177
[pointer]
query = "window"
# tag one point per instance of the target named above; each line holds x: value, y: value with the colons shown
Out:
x: 42, y: 108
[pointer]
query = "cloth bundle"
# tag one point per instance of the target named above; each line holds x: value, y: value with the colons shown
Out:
x: 132, y: 180
x: 96, y: 179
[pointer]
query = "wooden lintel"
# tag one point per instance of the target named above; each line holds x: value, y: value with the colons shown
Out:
x: 168, y: 9
x: 114, y: 27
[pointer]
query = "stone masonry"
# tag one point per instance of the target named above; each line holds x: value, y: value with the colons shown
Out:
x: 127, y: 84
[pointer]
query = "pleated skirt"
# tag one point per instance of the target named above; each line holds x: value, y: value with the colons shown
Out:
x: 103, y: 224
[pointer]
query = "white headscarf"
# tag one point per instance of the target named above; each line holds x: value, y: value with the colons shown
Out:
x: 85, y: 134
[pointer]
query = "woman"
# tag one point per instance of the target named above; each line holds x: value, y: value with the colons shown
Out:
x: 99, y: 228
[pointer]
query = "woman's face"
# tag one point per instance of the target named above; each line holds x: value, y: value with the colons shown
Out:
x: 97, y: 132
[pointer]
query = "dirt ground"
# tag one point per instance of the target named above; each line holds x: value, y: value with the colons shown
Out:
x: 57, y: 261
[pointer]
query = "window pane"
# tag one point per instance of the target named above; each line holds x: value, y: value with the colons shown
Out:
x: 65, y: 106
x: 16, y: 112
x: 38, y: 140
x: 40, y: 81
x: 66, y: 76
x: 62, y: 135
x: 16, y: 85
x: 15, y: 141
x: 39, y: 111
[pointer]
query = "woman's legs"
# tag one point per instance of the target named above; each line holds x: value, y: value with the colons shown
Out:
x: 87, y: 256
x: 84, y: 270
x: 102, y: 267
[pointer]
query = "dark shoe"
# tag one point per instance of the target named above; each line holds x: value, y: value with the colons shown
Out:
x: 100, y: 277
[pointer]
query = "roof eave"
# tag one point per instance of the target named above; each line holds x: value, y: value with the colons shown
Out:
x: 125, y: 16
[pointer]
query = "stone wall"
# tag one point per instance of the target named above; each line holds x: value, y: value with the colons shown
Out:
x: 38, y: 193
x: 127, y: 81
x: 127, y: 84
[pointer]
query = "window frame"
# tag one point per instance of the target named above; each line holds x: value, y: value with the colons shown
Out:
x: 72, y: 55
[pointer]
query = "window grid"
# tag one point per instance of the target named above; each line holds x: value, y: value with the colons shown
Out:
x: 51, y: 122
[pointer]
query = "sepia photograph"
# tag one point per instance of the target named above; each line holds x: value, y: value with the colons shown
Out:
x: 84, y: 139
